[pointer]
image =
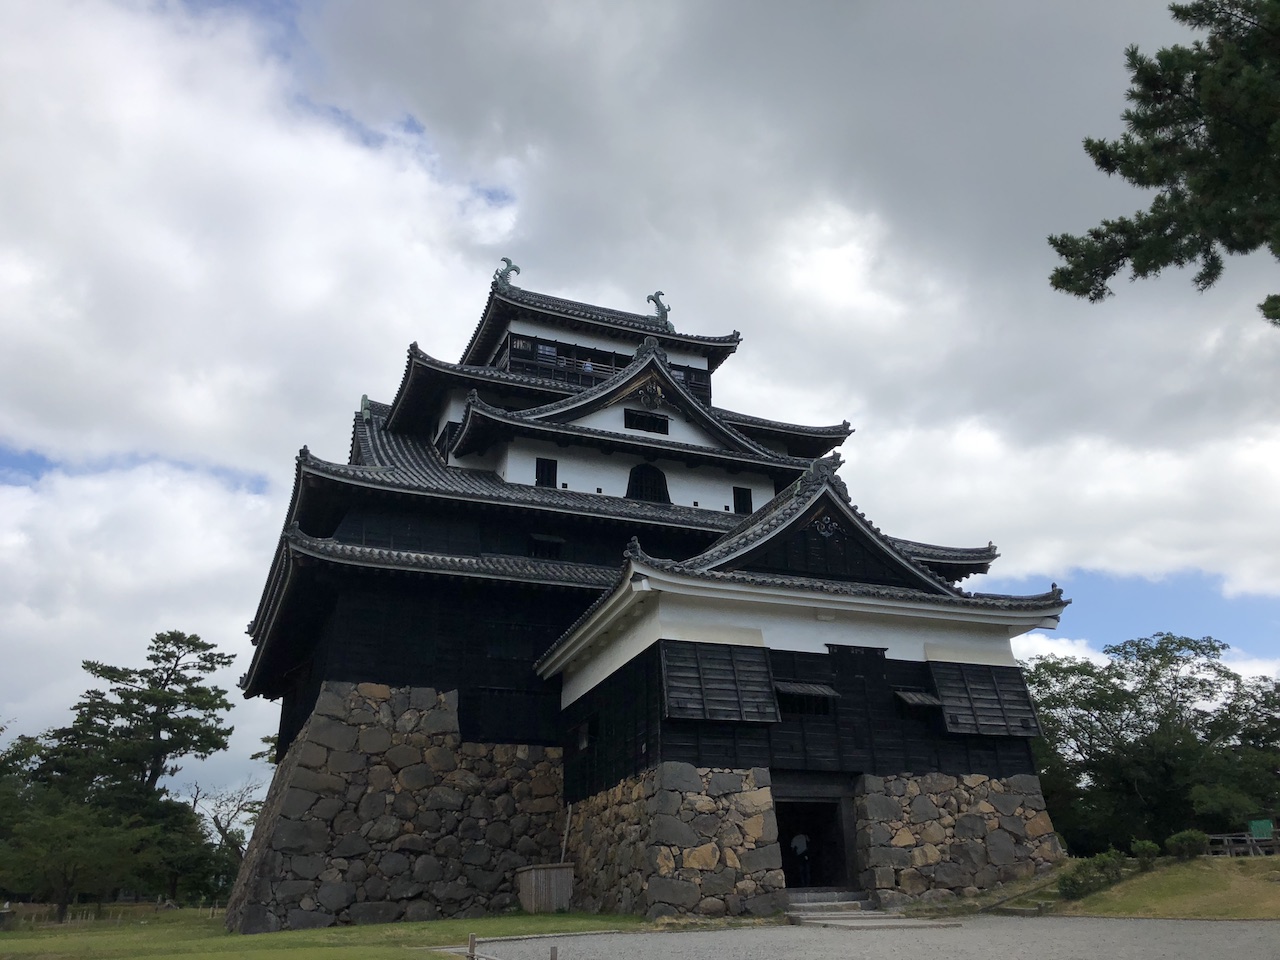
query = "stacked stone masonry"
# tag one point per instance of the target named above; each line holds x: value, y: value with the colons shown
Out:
x: 379, y: 812
x: 679, y: 839
x: 934, y: 837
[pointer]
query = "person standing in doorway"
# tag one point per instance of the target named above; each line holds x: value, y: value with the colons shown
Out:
x: 800, y: 847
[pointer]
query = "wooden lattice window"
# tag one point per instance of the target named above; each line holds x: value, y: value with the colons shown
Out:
x: 544, y: 472
x: 644, y: 420
x: 648, y: 483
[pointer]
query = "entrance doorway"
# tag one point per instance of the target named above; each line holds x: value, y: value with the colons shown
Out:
x: 815, y: 828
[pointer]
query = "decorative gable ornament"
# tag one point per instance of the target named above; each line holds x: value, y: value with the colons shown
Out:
x: 650, y: 395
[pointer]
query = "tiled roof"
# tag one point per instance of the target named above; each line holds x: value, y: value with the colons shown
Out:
x: 717, y: 348
x: 777, y: 426
x: 492, y: 566
x: 838, y: 588
x: 993, y: 601
x: 478, y: 412
x: 937, y: 554
x: 396, y: 461
x: 783, y: 510
x: 650, y: 361
x: 422, y: 368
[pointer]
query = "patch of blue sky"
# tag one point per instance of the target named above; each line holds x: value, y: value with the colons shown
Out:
x: 346, y: 121
x: 26, y: 468
x: 494, y: 196
x: 1108, y: 609
x: 278, y: 19
x: 412, y: 126
x: 20, y: 468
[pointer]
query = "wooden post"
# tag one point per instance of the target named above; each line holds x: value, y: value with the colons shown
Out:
x: 471, y: 946
x: 554, y: 952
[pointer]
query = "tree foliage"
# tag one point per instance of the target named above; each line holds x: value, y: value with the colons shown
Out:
x: 1163, y: 737
x: 84, y: 808
x: 125, y: 739
x: 1203, y: 129
x: 57, y: 849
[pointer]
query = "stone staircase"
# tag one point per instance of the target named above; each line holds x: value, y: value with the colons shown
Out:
x: 848, y: 909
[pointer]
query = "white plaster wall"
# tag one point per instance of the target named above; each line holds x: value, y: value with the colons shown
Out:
x: 787, y: 627
x: 639, y: 632
x: 680, y: 430
x: 586, y: 470
x: 622, y: 345
x: 667, y: 616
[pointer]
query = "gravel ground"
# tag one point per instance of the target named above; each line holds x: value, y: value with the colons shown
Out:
x: 980, y: 938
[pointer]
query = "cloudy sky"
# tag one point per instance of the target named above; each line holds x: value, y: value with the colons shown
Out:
x: 221, y: 223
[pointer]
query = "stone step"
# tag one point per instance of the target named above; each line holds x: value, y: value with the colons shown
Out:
x: 825, y: 895
x: 831, y: 906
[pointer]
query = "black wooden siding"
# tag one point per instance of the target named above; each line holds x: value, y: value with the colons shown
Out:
x: 869, y: 729
x: 977, y: 698
x: 614, y: 730
x: 471, y: 533
x: 479, y: 638
x: 717, y: 681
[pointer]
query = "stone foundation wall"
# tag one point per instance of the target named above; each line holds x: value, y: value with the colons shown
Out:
x: 934, y: 836
x: 380, y: 812
x: 679, y: 839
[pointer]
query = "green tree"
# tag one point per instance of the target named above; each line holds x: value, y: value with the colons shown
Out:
x: 1203, y: 129
x: 1162, y: 737
x: 123, y: 740
x: 59, y: 849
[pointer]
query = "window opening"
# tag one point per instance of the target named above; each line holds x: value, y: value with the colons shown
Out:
x: 647, y: 483
x: 545, y: 547
x: 742, y: 500
x: 644, y: 420
x: 544, y: 472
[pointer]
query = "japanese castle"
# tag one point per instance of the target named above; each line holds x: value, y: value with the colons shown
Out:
x: 560, y: 615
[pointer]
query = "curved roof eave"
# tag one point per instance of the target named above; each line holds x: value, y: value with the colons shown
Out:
x: 479, y: 413
x: 716, y: 349
x: 421, y: 365
x: 574, y: 502
x: 650, y: 361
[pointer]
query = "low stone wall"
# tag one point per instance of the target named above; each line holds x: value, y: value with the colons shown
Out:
x: 379, y: 812
x: 679, y: 839
x: 934, y: 836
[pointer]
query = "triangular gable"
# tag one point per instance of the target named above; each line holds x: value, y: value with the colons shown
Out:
x: 812, y: 530
x: 649, y: 384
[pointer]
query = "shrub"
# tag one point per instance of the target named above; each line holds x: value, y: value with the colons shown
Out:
x: 1110, y: 865
x: 1080, y: 881
x: 1146, y: 851
x: 1188, y: 844
x: 1090, y: 876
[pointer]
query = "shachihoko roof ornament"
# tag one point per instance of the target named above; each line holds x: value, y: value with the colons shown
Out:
x: 502, y: 276
x: 656, y: 299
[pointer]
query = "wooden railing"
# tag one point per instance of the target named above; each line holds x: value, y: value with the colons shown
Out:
x: 1243, y: 845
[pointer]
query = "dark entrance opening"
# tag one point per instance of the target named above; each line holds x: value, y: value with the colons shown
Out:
x: 815, y: 828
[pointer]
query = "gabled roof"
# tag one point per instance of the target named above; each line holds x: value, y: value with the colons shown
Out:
x: 483, y: 425
x: 648, y: 376
x: 720, y: 569
x: 819, y: 486
x: 507, y: 302
x: 426, y: 378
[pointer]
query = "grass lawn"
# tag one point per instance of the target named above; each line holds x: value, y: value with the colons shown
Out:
x: 1210, y: 888
x: 191, y: 935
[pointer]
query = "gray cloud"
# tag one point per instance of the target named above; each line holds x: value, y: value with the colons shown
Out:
x: 209, y: 249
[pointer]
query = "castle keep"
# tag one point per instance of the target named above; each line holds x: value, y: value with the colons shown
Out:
x: 558, y: 605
